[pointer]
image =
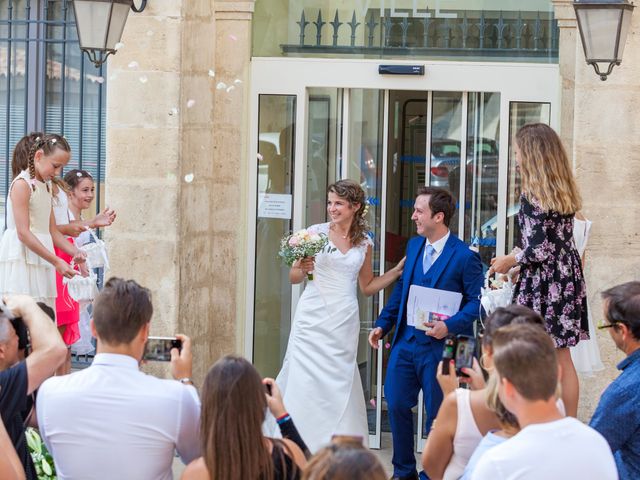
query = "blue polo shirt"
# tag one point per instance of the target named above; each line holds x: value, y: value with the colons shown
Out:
x: 617, y: 417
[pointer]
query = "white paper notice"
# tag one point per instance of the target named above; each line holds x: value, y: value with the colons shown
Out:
x: 424, y: 302
x: 274, y: 205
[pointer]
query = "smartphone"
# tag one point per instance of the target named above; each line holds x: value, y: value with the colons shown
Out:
x: 465, y: 349
x: 268, y: 387
x: 158, y: 349
x: 448, y: 353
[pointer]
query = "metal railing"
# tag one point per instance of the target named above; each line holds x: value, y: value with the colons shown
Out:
x: 47, y: 85
x: 522, y: 34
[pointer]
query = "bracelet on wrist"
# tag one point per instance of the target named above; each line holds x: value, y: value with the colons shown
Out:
x: 186, y: 381
x: 285, y: 417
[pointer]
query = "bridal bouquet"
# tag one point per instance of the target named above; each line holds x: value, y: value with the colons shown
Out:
x: 301, y: 244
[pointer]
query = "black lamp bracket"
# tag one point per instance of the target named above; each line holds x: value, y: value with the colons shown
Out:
x: 139, y: 9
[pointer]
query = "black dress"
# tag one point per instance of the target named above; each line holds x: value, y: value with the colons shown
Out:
x: 551, y: 281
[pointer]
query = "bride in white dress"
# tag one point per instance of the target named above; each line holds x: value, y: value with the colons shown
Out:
x: 319, y: 378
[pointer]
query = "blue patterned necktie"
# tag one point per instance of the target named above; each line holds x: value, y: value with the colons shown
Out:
x: 427, y: 260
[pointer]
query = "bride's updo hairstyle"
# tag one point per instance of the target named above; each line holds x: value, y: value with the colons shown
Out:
x: 353, y: 193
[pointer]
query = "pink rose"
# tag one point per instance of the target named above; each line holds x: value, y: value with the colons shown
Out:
x: 293, y: 241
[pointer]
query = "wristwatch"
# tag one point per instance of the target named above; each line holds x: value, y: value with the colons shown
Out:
x: 186, y: 381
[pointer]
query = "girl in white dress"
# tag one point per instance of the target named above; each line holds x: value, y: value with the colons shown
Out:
x: 585, y: 355
x: 319, y: 377
x: 27, y: 260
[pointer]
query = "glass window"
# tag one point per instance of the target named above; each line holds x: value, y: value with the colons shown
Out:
x: 481, y: 182
x: 276, y: 133
x: 47, y: 84
x: 520, y: 114
x: 323, y: 149
x: 366, y: 121
x: 501, y: 30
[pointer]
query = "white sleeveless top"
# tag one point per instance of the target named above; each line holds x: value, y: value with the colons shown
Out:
x: 466, y: 439
x: 61, y: 207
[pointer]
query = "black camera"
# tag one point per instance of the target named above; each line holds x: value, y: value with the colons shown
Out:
x: 461, y: 349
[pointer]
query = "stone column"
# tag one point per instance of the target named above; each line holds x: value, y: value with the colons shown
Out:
x: 569, y: 40
x: 176, y: 169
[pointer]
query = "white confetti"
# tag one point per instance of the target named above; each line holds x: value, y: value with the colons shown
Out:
x: 100, y: 79
x: 190, y: 103
x: 237, y: 81
x: 133, y: 64
x: 230, y: 88
x: 173, y: 111
x: 260, y: 157
x: 188, y: 177
x: 233, y: 37
x: 212, y: 73
x: 143, y: 79
x: 221, y: 86
x: 118, y: 46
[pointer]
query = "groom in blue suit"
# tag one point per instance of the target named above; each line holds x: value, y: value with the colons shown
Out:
x: 436, y: 259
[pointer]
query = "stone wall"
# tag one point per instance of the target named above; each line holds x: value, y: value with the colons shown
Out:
x: 605, y: 144
x: 175, y: 167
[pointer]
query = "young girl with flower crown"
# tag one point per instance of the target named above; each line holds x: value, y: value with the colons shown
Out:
x: 27, y: 259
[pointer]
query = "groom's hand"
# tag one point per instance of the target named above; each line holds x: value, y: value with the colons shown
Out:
x: 437, y: 329
x: 374, y: 337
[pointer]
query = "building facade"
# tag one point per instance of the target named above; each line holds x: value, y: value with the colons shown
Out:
x: 226, y: 121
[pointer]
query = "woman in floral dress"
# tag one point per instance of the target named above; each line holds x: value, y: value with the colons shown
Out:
x: 551, y: 281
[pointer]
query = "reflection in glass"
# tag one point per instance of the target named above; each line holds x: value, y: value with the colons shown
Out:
x: 446, y: 138
x: 481, y: 183
x: 323, y: 155
x: 366, y: 120
x: 276, y: 130
x: 520, y: 114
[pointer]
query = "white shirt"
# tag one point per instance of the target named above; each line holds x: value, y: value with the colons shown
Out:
x: 111, y: 421
x: 437, y: 247
x: 60, y: 204
x: 556, y: 450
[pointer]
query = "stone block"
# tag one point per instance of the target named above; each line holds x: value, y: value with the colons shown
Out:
x: 197, y: 99
x: 142, y: 153
x: 199, y: 42
x: 141, y: 99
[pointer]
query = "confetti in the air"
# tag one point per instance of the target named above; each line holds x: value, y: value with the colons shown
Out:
x: 118, y: 46
x: 237, y: 81
x: 212, y: 73
x: 387, y: 345
x: 190, y: 103
x: 143, y: 79
x: 173, y: 111
x: 100, y: 79
x: 133, y: 64
x: 188, y: 177
x: 221, y: 86
x: 260, y: 157
x: 372, y: 402
x: 230, y: 88
x: 233, y: 37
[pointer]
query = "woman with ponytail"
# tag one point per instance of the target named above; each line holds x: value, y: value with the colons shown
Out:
x: 27, y: 259
x: 320, y: 379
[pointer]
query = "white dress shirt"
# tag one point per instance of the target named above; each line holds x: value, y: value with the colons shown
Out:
x: 111, y: 421
x: 437, y: 247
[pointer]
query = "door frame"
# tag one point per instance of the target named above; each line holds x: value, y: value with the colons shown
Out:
x: 516, y: 82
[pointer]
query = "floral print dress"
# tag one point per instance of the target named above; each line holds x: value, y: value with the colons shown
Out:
x: 551, y: 281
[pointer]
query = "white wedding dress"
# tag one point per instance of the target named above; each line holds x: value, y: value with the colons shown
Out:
x: 585, y: 355
x: 319, y: 379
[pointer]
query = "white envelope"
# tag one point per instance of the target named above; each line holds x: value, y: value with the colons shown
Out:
x: 424, y: 302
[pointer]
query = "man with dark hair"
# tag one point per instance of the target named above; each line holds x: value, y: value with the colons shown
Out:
x: 435, y: 259
x: 617, y: 417
x: 20, y: 377
x: 111, y: 420
x: 549, y: 446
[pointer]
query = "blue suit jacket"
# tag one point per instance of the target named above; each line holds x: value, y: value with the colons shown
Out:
x: 457, y: 269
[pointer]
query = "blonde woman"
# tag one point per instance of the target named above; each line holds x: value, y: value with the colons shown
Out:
x: 551, y: 281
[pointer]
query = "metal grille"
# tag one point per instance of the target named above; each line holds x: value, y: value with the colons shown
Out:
x: 495, y: 34
x: 47, y: 84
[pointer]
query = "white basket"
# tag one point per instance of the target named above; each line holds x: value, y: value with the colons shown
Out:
x: 493, y: 298
x: 96, y: 252
x: 82, y: 289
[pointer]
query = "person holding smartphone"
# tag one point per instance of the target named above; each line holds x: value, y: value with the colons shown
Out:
x: 112, y: 418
